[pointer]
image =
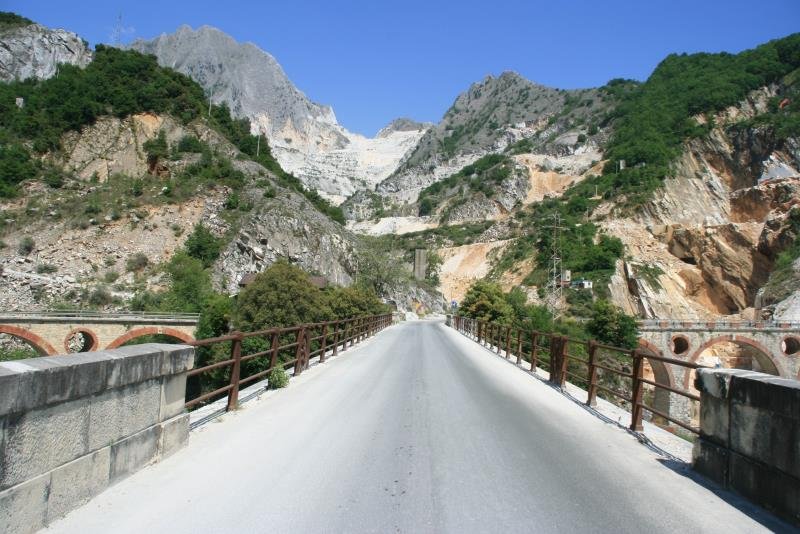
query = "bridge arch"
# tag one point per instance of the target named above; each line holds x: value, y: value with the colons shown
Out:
x: 662, y: 374
x: 81, y: 340
x: 762, y: 354
x: 150, y: 331
x: 38, y: 343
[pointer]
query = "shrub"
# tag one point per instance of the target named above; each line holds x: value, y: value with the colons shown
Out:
x: 46, y: 268
x: 190, y: 143
x: 26, y: 245
x: 203, y: 245
x: 137, y: 262
x: 100, y: 296
x: 110, y: 277
x: 278, y: 378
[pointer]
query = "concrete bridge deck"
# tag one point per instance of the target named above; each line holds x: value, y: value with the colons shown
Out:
x: 418, y: 430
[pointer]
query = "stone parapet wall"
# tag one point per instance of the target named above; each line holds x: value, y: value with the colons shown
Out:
x: 750, y: 436
x: 70, y: 426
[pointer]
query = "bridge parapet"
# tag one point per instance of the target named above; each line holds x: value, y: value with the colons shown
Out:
x: 71, y: 426
x: 654, y: 325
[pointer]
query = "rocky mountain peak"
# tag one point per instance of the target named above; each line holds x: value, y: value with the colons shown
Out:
x: 403, y: 124
x: 33, y: 51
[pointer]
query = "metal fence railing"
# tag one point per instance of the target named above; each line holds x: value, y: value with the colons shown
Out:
x: 597, y: 367
x: 268, y: 350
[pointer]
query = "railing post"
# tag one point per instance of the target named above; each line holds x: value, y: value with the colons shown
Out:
x: 324, y: 343
x: 298, y: 353
x: 336, y: 337
x: 636, y: 399
x: 591, y: 398
x: 236, y: 355
x: 498, y: 335
x: 564, y: 360
x: 508, y: 342
x: 534, y: 349
x: 519, y: 346
x: 273, y: 360
x: 352, y: 333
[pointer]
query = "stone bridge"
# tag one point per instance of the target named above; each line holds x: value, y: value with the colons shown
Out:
x: 773, y: 346
x: 60, y: 332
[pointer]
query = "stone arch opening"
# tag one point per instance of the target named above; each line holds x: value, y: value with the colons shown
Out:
x: 81, y: 340
x: 38, y: 344
x: 660, y: 373
x: 680, y: 345
x: 145, y: 333
x: 790, y: 345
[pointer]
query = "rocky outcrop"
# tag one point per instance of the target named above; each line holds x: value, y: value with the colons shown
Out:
x: 288, y: 227
x: 112, y: 145
x: 304, y: 136
x: 34, y: 51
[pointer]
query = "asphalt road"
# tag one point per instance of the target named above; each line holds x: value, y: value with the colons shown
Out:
x: 417, y: 430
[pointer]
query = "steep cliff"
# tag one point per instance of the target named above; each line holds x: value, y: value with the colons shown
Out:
x: 33, y: 51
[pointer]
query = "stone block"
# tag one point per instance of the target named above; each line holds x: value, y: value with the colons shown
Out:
x: 139, y: 363
x: 73, y: 484
x: 43, y: 439
x: 766, y: 486
x: 9, y: 390
x: 780, y: 396
x: 173, y: 396
x: 122, y: 412
x: 133, y: 453
x: 766, y: 437
x: 174, y: 435
x: 711, y: 460
x: 177, y: 358
x: 23, y: 508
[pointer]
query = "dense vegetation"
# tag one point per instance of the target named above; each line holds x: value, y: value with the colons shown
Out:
x: 12, y: 20
x: 119, y: 83
x: 651, y: 122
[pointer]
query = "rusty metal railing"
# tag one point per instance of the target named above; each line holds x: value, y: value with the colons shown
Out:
x: 562, y: 358
x: 271, y: 346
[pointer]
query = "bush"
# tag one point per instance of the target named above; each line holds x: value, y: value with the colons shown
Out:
x: 46, y: 268
x: 100, y: 296
x: 203, y: 245
x: 26, y: 245
x: 137, y: 262
x: 110, y: 277
x: 278, y: 378
x: 190, y: 144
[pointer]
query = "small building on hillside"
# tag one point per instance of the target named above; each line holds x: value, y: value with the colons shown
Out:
x: 581, y: 283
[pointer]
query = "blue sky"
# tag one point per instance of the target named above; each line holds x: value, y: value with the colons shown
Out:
x: 374, y: 61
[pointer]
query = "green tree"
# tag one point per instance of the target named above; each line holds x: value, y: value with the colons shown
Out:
x: 354, y: 301
x: 190, y: 284
x: 612, y: 326
x: 485, y: 301
x: 282, y: 295
x: 434, y: 267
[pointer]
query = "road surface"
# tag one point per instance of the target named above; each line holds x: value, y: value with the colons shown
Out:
x: 417, y: 430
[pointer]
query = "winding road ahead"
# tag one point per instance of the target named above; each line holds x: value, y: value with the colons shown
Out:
x: 416, y: 430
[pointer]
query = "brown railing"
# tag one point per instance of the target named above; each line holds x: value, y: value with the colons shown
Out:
x: 561, y: 357
x: 274, y: 348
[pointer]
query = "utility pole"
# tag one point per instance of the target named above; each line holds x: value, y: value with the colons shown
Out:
x: 554, y: 295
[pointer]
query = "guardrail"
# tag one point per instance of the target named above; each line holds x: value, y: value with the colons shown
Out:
x: 87, y: 314
x: 605, y: 366
x: 273, y: 348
